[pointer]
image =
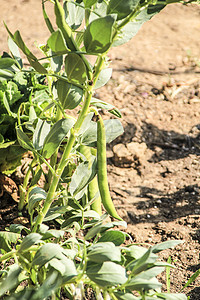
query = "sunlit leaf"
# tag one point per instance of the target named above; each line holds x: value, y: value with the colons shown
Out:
x: 106, y: 251
x: 57, y: 42
x: 36, y: 195
x: 84, y: 173
x: 40, y: 133
x: 103, y: 78
x: 98, y: 35
x: 56, y: 135
x: 115, y: 236
x: 142, y: 284
x: 121, y: 8
x: 7, y: 238
x: 46, y: 253
x: 106, y: 274
x: 11, y: 281
x: 75, y: 68
x: 29, y: 241
x: 69, y: 94
x: 74, y: 14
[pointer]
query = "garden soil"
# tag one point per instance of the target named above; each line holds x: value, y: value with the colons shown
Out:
x: 154, y: 171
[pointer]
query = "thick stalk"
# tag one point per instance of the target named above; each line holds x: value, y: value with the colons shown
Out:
x: 53, y: 158
x: 74, y: 132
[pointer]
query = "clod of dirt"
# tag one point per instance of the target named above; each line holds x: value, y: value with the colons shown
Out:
x: 132, y: 154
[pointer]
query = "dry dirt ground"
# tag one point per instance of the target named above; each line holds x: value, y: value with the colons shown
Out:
x: 154, y: 166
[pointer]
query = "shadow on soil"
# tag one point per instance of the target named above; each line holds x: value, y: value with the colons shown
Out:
x: 171, y: 206
x: 173, y: 145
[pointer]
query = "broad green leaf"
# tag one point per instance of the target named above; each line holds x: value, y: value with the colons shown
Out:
x: 6, y: 238
x: 65, y: 266
x: 106, y: 274
x: 30, y: 240
x: 113, y: 128
x: 142, y: 284
x: 5, y: 105
x: 103, y: 78
x: 89, y: 3
x: 12, y: 93
x: 41, y: 131
x: 58, y: 265
x: 90, y: 134
x: 56, y: 42
x: 24, y: 140
x: 46, y: 253
x: 31, y: 58
x: 15, y: 51
x: 40, y: 97
x: 131, y: 29
x: 172, y: 296
x: 52, y: 282
x: 150, y: 273
x: 106, y: 251
x: 69, y: 95
x: 135, y: 251
x: 78, y: 215
x: 75, y: 68
x: 125, y: 296
x: 36, y: 195
x: 17, y: 228
x: 122, y: 8
x: 84, y: 173
x: 98, y: 35
x: 55, y: 212
x: 56, y: 62
x: 37, y: 66
x: 115, y: 236
x: 103, y: 227
x: 99, y: 11
x: 56, y: 135
x: 74, y: 14
x: 165, y: 245
x: 143, y: 263
x: 104, y: 105
x: 6, y: 62
x: 11, y: 281
x: 53, y: 233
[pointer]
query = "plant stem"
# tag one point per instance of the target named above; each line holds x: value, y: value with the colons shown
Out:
x: 73, y: 134
x: 7, y: 255
x: 24, y: 186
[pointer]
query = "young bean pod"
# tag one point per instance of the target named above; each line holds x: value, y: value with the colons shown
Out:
x: 93, y: 190
x: 63, y: 26
x: 102, y: 170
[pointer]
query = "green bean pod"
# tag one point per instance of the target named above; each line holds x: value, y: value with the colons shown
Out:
x: 102, y: 171
x: 93, y: 193
x: 93, y: 190
x: 63, y: 26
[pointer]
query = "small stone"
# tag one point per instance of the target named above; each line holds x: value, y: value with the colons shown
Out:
x: 137, y: 150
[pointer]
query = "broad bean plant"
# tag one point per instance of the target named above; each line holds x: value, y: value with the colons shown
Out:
x: 72, y: 247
